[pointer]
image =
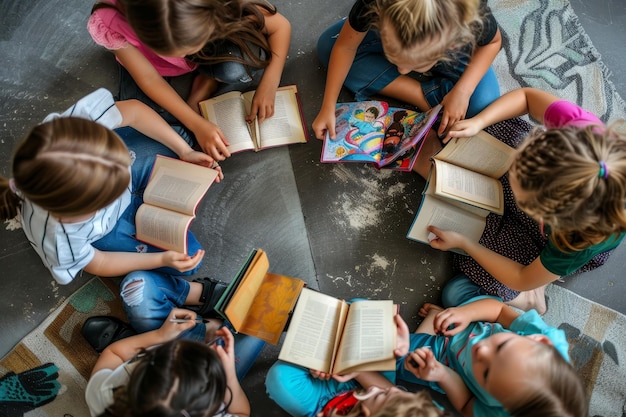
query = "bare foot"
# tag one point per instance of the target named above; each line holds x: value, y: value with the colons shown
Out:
x: 201, y: 89
x: 427, y: 307
x: 211, y: 327
x: 428, y: 311
x: 527, y: 300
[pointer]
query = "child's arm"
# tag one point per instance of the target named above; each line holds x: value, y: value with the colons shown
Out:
x: 512, y: 274
x: 113, y: 264
x: 278, y: 31
x: 239, y: 404
x: 124, y: 350
x: 208, y: 135
x: 512, y: 104
x: 141, y: 117
x: 486, y: 309
x: 455, y: 103
x: 341, y: 58
x: 430, y: 369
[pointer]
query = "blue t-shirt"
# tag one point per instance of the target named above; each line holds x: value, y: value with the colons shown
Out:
x: 456, y: 352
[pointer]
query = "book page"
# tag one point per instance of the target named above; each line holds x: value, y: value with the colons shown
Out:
x: 369, y: 335
x: 310, y: 339
x: 228, y: 111
x: 162, y: 228
x: 437, y: 212
x: 286, y: 125
x: 401, y: 142
x: 468, y: 186
x: 481, y: 153
x: 177, y: 185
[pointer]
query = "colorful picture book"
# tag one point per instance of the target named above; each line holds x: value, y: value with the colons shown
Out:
x: 371, y: 131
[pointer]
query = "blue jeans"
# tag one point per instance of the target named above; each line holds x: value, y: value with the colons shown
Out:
x: 143, y: 152
x: 148, y: 303
x: 149, y: 297
x: 371, y: 72
x: 233, y: 75
x: 459, y: 290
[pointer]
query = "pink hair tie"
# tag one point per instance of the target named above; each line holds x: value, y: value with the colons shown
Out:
x: 604, y: 170
x: 12, y: 185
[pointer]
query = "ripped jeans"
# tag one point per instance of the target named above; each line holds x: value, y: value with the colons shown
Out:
x: 148, y: 298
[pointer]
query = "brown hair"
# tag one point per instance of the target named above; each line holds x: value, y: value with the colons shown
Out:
x: 167, y: 26
x: 555, y: 389
x: 438, y: 25
x: 68, y: 166
x: 560, y: 170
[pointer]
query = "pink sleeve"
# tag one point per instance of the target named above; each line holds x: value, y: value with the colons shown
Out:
x: 102, y: 33
x: 564, y: 113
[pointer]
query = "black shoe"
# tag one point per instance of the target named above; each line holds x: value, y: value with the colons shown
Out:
x: 101, y: 331
x: 212, y: 290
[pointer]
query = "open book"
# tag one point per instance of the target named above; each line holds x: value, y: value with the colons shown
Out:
x: 332, y: 336
x: 285, y: 127
x: 259, y: 303
x: 463, y: 187
x: 170, y: 200
x: 371, y: 131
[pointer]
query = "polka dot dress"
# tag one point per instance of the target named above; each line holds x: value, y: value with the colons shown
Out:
x: 513, y: 234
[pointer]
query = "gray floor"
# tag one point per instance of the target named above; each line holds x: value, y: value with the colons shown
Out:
x: 340, y: 227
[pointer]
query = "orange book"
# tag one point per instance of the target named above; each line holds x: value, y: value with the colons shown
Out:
x: 259, y: 303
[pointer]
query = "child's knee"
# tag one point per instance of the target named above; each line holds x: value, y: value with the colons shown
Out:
x: 132, y: 289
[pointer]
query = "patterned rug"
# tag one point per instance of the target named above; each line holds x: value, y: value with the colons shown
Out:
x: 597, y: 339
x: 46, y: 373
x: 544, y: 46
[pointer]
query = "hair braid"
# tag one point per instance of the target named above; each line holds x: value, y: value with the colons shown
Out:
x: 559, y: 169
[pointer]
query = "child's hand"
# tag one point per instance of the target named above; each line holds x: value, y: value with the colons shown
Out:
x: 323, y: 123
x: 262, y: 104
x: 346, y: 377
x: 211, y: 139
x: 180, y: 261
x: 403, y: 339
x: 448, y: 317
x: 198, y: 158
x: 455, y: 105
x: 446, y: 239
x: 226, y: 350
x: 422, y: 364
x: 320, y: 375
x: 463, y: 129
x: 171, y: 330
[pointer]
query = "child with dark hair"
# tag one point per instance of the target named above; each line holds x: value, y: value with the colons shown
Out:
x: 155, y: 373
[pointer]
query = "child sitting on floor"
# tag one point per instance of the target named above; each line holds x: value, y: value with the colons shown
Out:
x: 570, y: 179
x: 156, y: 374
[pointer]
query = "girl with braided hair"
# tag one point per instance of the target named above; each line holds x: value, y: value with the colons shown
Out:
x: 569, y: 178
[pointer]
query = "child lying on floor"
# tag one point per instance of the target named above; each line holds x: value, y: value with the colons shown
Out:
x: 492, y: 361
